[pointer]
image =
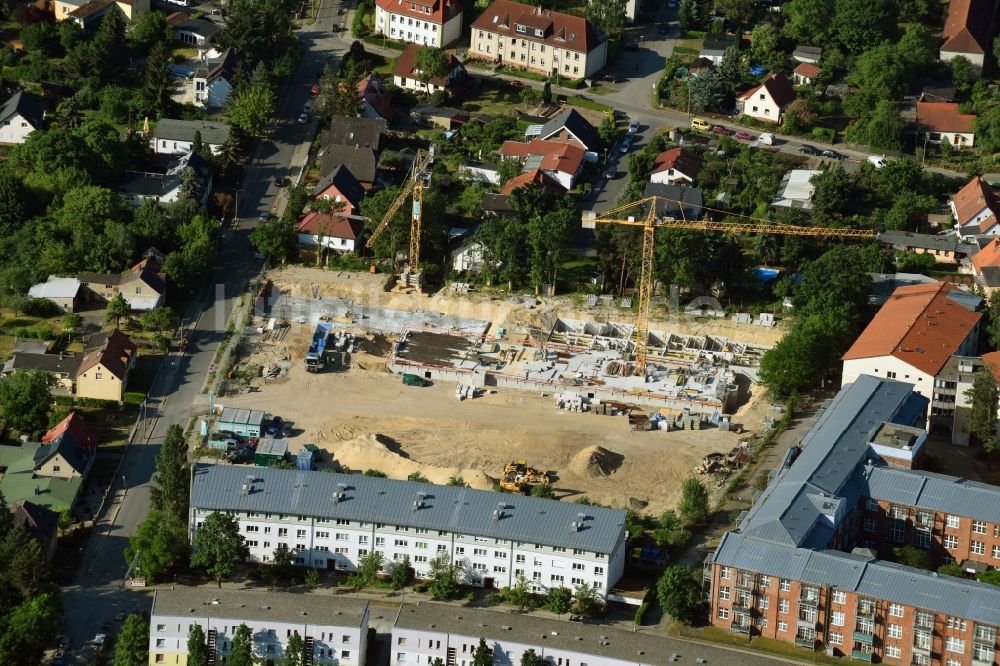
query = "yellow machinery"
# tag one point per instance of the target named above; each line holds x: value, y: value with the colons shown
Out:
x: 417, y: 179
x: 517, y: 476
x: 649, y: 220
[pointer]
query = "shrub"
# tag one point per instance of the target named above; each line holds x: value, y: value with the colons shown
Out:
x: 359, y: 28
x: 134, y: 397
x: 640, y: 613
x: 40, y: 307
x: 824, y: 134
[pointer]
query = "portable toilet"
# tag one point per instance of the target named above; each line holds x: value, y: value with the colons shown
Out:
x: 304, y: 459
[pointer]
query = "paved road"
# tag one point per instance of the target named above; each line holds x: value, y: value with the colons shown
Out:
x: 97, y: 593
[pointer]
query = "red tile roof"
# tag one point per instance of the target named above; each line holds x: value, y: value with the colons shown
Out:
x: 987, y: 256
x: 113, y: 350
x: 406, y: 65
x: 679, y: 160
x: 967, y: 27
x: 334, y: 226
x: 435, y: 11
x: 992, y: 361
x: 556, y: 155
x: 534, y: 176
x: 920, y: 325
x: 944, y: 117
x: 564, y: 31
x: 74, y: 426
x: 972, y: 199
x: 372, y: 91
x: 778, y: 88
x: 808, y: 70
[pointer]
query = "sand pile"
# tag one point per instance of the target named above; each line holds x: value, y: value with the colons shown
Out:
x: 374, y: 451
x: 595, y: 461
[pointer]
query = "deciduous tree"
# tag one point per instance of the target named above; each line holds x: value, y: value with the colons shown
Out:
x: 251, y: 109
x: 219, y: 547
x: 132, y: 644
x: 559, y: 600
x: 241, y: 649
x: 483, y: 656
x: 118, y: 309
x: 197, y: 647
x: 982, y: 422
x: 294, y: 651
x: 26, y: 400
x: 694, y: 506
x: 679, y: 593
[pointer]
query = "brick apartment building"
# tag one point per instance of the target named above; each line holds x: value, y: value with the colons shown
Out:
x: 802, y: 565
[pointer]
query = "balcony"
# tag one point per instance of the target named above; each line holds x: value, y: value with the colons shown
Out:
x: 741, y: 607
x: 986, y: 661
x: 866, y: 610
x: 864, y: 636
x: 740, y: 628
x: 861, y: 656
x: 811, y: 600
x: 805, y: 622
x: 806, y: 642
x: 921, y: 648
x: 745, y: 585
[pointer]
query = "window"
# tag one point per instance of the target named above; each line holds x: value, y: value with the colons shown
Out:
x: 896, y: 530
x: 765, y: 582
x: 894, y: 630
x: 836, y: 639
x: 890, y: 375
x: 977, y: 548
x: 782, y: 625
x: 400, y: 543
x: 97, y: 376
x: 598, y: 571
x: 954, y: 662
x: 723, y: 613
x: 895, y: 610
x: 783, y: 606
x: 978, y: 527
x: 161, y: 627
x: 345, y: 654
x: 870, y: 504
x: 950, y: 541
x: 953, y: 521
x: 161, y: 642
x: 724, y: 593
x: 724, y: 573
x: 839, y: 597
x: 957, y: 623
x: 300, y: 534
x: 785, y: 585
x: 893, y: 651
x: 954, y: 644
x: 870, y: 524
x: 763, y: 603
x: 837, y: 619
x: 922, y: 539
x: 996, y: 552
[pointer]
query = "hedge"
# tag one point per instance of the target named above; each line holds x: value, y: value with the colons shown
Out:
x: 640, y: 613
x: 134, y: 398
x: 587, y: 103
x: 384, y: 42
x: 358, y: 27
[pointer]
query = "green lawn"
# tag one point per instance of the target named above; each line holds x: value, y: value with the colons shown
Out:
x: 574, y: 275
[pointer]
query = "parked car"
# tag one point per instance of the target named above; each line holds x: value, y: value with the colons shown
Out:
x: 626, y: 144
x: 767, y: 139
x: 518, y: 84
x: 808, y: 150
x: 613, y: 78
x: 341, y: 11
x: 303, y: 117
x: 99, y: 640
x: 414, y: 380
x: 59, y: 658
x: 219, y: 11
x: 664, y: 29
x: 275, y: 426
x: 832, y: 154
x: 611, y: 173
x: 265, y: 216
x: 720, y: 130
x: 633, y: 126
x: 700, y: 124
x: 878, y: 161
x: 241, y: 456
x: 314, y: 90
x: 743, y: 136
x: 631, y: 46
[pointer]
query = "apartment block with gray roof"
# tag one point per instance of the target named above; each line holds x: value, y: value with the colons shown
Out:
x: 330, y: 521
x: 803, y: 565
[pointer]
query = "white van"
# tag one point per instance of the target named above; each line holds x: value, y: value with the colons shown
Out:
x: 767, y: 139
x: 878, y: 161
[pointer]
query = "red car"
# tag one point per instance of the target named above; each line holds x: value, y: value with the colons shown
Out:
x: 744, y: 136
x: 720, y: 130
x: 517, y: 84
x: 314, y: 91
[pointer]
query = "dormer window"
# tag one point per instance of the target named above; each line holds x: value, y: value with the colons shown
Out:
x: 496, y: 18
x: 520, y: 28
x: 538, y: 33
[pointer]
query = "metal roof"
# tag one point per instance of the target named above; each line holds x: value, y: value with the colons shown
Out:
x: 241, y: 416
x: 935, y: 492
x: 247, y: 605
x: 410, y: 504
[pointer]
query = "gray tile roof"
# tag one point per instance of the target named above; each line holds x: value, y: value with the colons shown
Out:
x: 375, y: 500
x: 171, y: 129
x: 27, y: 106
x: 947, y: 242
x: 576, y: 124
x: 934, y: 492
x: 358, y: 132
x: 360, y: 162
x: 249, y: 605
x: 512, y: 627
x: 691, y: 200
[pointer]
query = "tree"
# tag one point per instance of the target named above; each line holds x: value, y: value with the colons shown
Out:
x: 993, y: 317
x: 443, y: 577
x: 28, y: 629
x: 457, y: 481
x: 608, y: 16
x: 708, y: 92
x: 694, y: 507
x: 311, y: 578
x: 132, y: 644
x: 109, y: 45
x: 367, y: 571
x: 241, y: 649
x: 26, y: 400
x: 375, y: 473
x: 833, y: 194
x: 70, y: 322
x: 282, y: 560
x: 912, y: 556
x: 982, y: 421
x: 197, y: 647
x: 988, y: 129
x: 402, y: 573
x: 483, y: 656
x: 963, y: 73
x: 219, y: 546
x: 586, y: 601
x: 880, y: 71
x: 991, y: 577
x: 679, y: 593
x: 274, y: 238
x: 172, y: 482
x: 157, y: 319
x: 519, y: 593
x: 294, y: 651
x: 951, y: 570
x: 530, y: 658
x: 670, y: 530
x: 547, y: 93
x: 507, y: 168
x: 543, y: 490
x: 765, y: 46
x: 251, y: 109
x: 881, y: 128
x: 420, y: 478
x: 608, y: 129
x: 559, y: 600
x: 191, y: 185
x: 161, y: 543
x: 861, y: 24
x: 149, y: 29
x: 118, y: 309
x: 431, y: 63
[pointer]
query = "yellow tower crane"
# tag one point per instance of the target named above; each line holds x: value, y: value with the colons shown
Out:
x: 649, y: 219
x: 418, y: 178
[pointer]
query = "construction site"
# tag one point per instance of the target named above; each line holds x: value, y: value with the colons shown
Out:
x: 513, y: 391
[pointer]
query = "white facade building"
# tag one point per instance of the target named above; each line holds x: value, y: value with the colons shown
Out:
x: 333, y: 520
x: 334, y: 629
x: 426, y: 22
x: 20, y: 115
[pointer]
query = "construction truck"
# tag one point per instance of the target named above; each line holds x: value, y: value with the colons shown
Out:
x: 315, y: 359
x: 518, y: 476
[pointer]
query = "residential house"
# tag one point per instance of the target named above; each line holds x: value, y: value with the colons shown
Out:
x: 333, y: 231
x: 435, y: 23
x: 87, y: 13
x: 376, y: 101
x: 675, y: 166
x: 967, y: 30
x: 49, y: 473
x: 447, y: 119
x: 176, y: 137
x: 700, y: 66
x: 677, y: 201
x: 63, y: 291
x: 768, y: 100
x: 164, y: 183
x: 107, y: 362
x: 143, y: 286
x: 952, y: 385
x: 545, y: 541
x: 496, y: 204
x: 941, y: 122
x: 341, y: 187
x: 195, y: 32
x: 986, y: 266
x: 947, y: 249
x: 807, y: 54
x: 912, y: 337
x: 407, y: 76
x: 480, y: 172
x: 938, y: 93
x: 360, y: 161
x: 211, y: 83
x: 20, y: 115
x: 334, y: 628
x: 561, y: 161
x: 797, y: 189
x: 568, y: 127
x: 715, y: 46
x: 533, y: 177
x: 469, y: 255
x: 975, y: 208
x: 539, y: 40
x: 805, y: 74
x: 61, y: 367
x: 39, y: 522
x: 357, y: 132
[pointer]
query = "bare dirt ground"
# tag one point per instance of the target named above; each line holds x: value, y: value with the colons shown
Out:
x: 366, y: 419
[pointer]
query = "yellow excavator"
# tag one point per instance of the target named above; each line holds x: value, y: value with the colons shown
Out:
x: 518, y: 476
